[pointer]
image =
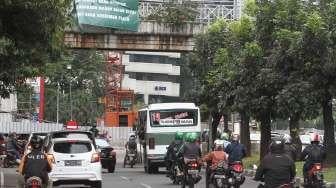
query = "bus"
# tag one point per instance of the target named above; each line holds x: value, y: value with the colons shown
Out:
x: 157, y: 125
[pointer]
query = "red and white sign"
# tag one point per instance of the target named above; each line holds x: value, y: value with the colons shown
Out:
x: 72, y: 125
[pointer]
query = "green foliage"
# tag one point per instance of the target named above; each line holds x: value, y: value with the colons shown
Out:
x: 87, y: 82
x: 30, y: 36
x: 175, y: 12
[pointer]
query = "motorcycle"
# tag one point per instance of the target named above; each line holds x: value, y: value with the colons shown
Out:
x: 236, y: 176
x: 33, y: 182
x: 130, y: 158
x: 219, y: 177
x: 315, y: 176
x: 191, y: 174
x: 175, y: 174
x: 9, y: 160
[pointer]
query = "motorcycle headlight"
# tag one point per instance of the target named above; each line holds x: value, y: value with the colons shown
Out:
x: 230, y: 180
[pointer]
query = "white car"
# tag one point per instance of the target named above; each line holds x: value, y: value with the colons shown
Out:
x: 75, y: 161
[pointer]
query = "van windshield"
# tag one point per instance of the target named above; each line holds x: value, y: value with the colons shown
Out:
x: 174, y: 117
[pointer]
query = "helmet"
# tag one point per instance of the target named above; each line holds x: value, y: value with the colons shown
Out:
x: 315, y: 137
x: 179, y: 135
x: 191, y: 137
x: 224, y: 136
x: 36, y: 142
x: 287, y: 139
x: 235, y: 137
x: 277, y: 146
x: 219, y: 145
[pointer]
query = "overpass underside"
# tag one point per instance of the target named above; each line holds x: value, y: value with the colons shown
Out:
x: 151, y: 36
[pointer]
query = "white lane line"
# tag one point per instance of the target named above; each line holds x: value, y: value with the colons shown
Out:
x: 125, y: 178
x: 145, y: 185
x: 2, y: 180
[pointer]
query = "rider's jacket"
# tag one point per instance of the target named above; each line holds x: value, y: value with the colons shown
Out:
x: 35, y: 163
x: 276, y: 169
x: 215, y: 157
x: 236, y: 151
x: 290, y: 150
x: 190, y: 150
x: 313, y: 153
x: 173, y: 148
x: 12, y: 145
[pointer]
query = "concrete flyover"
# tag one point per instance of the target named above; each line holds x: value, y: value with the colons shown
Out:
x: 151, y: 36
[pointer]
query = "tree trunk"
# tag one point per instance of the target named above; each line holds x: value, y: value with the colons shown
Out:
x: 294, y: 128
x: 245, y: 132
x: 226, y: 122
x: 216, y: 116
x: 328, y: 121
x: 265, y: 135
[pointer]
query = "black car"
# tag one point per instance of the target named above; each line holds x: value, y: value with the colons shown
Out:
x: 108, y: 156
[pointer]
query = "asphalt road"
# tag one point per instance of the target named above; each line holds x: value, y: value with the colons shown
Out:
x: 122, y: 178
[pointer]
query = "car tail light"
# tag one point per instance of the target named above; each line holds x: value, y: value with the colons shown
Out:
x: 238, y: 168
x: 95, y: 158
x: 51, y: 158
x: 151, y: 143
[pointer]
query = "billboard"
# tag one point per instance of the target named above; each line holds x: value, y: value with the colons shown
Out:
x: 118, y: 14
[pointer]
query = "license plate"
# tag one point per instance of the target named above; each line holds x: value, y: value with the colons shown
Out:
x: 72, y: 163
x: 131, y: 155
x: 192, y: 171
x: 219, y: 176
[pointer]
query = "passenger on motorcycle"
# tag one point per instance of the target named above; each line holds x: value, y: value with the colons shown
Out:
x: 289, y: 147
x: 131, y: 144
x: 276, y: 168
x: 172, y: 150
x: 314, y: 153
x: 36, y: 163
x: 13, y: 147
x: 225, y: 139
x: 235, y: 150
x: 214, y: 158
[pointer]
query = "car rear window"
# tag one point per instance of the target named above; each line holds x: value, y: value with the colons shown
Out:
x: 72, y: 147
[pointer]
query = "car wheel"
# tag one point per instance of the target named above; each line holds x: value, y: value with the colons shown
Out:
x: 97, y: 184
x: 111, y: 168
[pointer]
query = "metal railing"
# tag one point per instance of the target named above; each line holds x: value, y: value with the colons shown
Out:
x: 207, y: 10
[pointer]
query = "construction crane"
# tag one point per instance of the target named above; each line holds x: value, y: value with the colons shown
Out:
x: 119, y: 103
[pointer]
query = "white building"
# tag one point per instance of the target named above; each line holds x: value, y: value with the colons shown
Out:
x: 155, y: 75
x: 8, y: 104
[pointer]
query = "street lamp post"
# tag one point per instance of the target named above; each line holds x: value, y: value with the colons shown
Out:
x: 57, y: 103
x: 69, y: 68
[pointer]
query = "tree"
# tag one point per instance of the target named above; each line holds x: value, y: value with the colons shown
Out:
x: 30, y: 36
x: 87, y: 79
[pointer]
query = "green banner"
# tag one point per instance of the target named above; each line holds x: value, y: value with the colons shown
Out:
x: 118, y: 14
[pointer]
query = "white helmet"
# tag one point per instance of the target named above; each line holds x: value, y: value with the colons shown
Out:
x: 287, y: 139
x: 219, y: 144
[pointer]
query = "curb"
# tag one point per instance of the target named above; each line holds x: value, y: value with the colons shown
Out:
x: 298, y: 180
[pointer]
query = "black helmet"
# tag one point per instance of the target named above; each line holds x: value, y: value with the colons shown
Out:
x: 277, y: 146
x: 36, y: 142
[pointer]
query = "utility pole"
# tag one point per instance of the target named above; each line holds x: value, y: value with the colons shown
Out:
x: 57, y: 103
x: 69, y: 68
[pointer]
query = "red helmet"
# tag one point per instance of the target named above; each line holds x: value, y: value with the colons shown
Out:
x: 314, y: 137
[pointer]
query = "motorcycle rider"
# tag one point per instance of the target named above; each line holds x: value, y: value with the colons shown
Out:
x: 36, y: 162
x: 172, y: 149
x: 191, y: 149
x: 214, y: 158
x: 225, y: 139
x: 12, y: 146
x: 314, y: 153
x: 276, y: 168
x: 289, y: 148
x: 131, y: 145
x: 235, y: 150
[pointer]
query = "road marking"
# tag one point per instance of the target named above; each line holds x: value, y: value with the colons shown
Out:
x: 2, y: 180
x: 125, y: 178
x: 145, y: 185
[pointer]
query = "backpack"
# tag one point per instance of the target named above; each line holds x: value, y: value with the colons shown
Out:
x: 132, y: 144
